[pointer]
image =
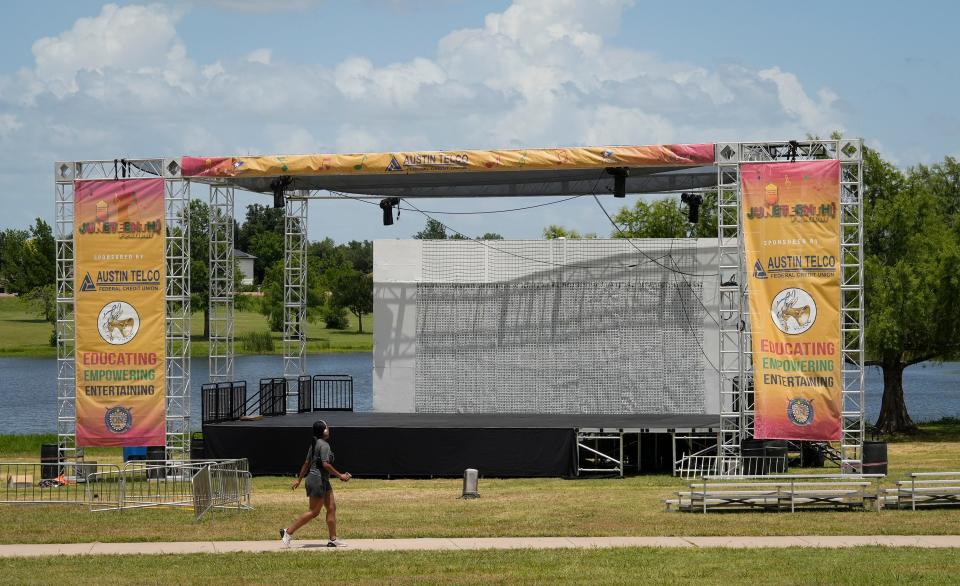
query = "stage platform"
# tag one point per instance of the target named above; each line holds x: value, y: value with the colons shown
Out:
x: 424, y: 444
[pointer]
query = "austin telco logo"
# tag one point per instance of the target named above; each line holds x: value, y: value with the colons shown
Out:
x: 796, y: 266
x: 118, y: 323
x: 430, y: 161
x: 793, y: 311
x: 122, y: 280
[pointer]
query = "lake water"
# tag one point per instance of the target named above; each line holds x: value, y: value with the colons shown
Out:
x: 28, y: 387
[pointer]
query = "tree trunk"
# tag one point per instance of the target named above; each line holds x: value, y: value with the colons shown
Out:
x: 893, y: 410
x: 359, y: 321
x: 206, y: 322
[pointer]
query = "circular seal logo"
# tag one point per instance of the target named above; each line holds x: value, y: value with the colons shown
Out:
x: 800, y: 411
x: 118, y: 419
x: 793, y: 311
x: 118, y: 322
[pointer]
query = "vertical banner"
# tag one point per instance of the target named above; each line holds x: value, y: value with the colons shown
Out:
x: 119, y: 286
x: 791, y: 231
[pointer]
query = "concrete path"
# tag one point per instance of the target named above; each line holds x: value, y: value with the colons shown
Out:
x: 468, y: 543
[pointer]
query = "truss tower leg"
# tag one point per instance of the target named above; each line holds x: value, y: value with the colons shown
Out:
x: 294, y: 292
x: 65, y: 174
x: 221, y: 284
x: 735, y: 412
x: 177, y: 206
x: 850, y: 153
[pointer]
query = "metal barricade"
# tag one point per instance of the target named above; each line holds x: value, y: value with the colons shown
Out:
x: 695, y: 466
x: 221, y: 485
x: 138, y: 484
x: 78, y: 483
x: 332, y: 392
x: 304, y: 394
x: 273, y: 396
x: 223, y: 401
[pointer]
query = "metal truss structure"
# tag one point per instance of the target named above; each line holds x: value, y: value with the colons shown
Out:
x: 735, y: 366
x: 64, y: 175
x: 222, y: 286
x: 736, y: 360
x: 177, y: 294
x: 294, y: 291
x: 178, y: 311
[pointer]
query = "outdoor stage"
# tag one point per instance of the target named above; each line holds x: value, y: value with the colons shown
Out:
x: 419, y: 444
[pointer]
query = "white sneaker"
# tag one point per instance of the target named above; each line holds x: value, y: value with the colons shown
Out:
x: 285, y: 538
x: 336, y: 543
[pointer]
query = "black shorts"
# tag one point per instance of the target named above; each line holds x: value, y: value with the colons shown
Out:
x: 318, y: 486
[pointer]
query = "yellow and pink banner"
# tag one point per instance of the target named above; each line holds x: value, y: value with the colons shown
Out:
x: 670, y: 155
x: 119, y: 288
x: 791, y: 230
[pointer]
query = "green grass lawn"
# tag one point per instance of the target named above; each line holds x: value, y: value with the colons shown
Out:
x: 22, y: 334
x: 508, y: 507
x: 319, y: 338
x: 865, y: 565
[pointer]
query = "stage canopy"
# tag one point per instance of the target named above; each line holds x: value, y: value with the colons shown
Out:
x: 553, y: 171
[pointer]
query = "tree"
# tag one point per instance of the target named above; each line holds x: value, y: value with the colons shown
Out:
x: 261, y: 235
x: 268, y: 248
x: 490, y: 236
x: 351, y: 289
x: 28, y: 260
x: 359, y: 255
x: 912, y: 270
x: 326, y: 254
x: 200, y: 261
x: 271, y: 304
x: 666, y: 218
x: 434, y: 230
x: 554, y: 231
x: 12, y: 250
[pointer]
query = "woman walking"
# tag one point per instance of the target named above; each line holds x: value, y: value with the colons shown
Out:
x: 317, y: 468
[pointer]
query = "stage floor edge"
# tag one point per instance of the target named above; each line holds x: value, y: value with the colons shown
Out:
x: 379, y: 444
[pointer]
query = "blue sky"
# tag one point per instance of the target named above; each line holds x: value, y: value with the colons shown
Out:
x: 83, y: 80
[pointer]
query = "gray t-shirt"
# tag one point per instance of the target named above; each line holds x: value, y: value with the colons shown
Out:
x: 323, y: 454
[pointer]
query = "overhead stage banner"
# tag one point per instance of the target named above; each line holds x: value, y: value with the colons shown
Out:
x: 668, y: 155
x: 791, y: 231
x: 119, y: 288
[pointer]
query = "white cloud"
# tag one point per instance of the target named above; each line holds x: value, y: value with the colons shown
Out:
x: 9, y: 124
x: 262, y: 56
x: 129, y: 38
x: 262, y: 5
x: 540, y: 73
x: 797, y: 104
x: 615, y: 125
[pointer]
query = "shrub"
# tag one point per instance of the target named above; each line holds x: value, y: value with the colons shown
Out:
x: 335, y: 318
x: 257, y: 342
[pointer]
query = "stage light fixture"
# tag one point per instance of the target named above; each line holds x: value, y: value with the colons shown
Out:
x: 620, y: 175
x: 279, y: 185
x: 387, y: 205
x: 792, y: 148
x: 693, y: 201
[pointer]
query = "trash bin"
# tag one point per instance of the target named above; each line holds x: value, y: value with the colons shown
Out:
x: 156, y: 456
x: 812, y: 455
x: 50, y: 466
x: 197, y: 449
x: 874, y: 457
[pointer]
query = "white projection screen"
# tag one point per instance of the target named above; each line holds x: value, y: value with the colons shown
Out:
x: 545, y: 326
